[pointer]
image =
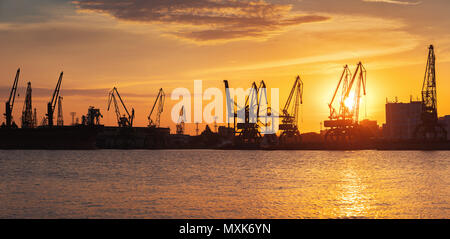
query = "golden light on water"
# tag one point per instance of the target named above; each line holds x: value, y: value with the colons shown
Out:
x: 224, y: 184
x: 352, y: 198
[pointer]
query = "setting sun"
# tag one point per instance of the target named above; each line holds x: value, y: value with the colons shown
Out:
x: 349, y: 102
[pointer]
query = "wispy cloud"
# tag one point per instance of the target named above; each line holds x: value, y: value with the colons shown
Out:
x: 206, y: 20
x: 344, y: 55
x: 397, y: 2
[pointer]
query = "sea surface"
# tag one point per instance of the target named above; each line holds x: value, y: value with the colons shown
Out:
x: 224, y: 184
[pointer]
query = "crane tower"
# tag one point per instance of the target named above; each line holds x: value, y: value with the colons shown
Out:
x: 429, y: 129
x: 343, y: 121
x: 289, y: 124
x: 27, y: 112
x: 9, y: 105
x: 122, y: 120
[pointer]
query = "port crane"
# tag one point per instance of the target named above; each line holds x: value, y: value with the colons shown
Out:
x: 52, y: 104
x: 9, y: 105
x: 122, y: 120
x: 248, y: 131
x: 343, y: 122
x: 289, y: 123
x: 60, y: 119
x: 27, y: 112
x: 160, y: 102
x: 180, y: 124
x: 92, y: 118
x: 429, y: 129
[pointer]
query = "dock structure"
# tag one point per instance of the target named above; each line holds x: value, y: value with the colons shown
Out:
x: 413, y: 125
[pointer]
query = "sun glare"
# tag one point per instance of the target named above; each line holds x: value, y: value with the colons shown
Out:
x: 349, y: 102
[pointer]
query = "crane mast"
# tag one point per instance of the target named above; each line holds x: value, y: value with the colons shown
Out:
x: 34, y: 118
x: 180, y: 123
x: 289, y: 123
x: 160, y: 101
x: 429, y: 128
x: 52, y: 104
x: 60, y: 119
x: 27, y: 112
x: 429, y: 98
x: 231, y: 106
x: 9, y: 105
x: 125, y: 120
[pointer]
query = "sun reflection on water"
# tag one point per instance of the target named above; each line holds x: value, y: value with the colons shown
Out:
x: 353, y: 201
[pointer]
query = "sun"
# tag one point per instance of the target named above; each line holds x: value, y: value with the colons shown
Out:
x: 349, y: 102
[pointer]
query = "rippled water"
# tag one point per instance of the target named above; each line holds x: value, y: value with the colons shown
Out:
x: 224, y: 184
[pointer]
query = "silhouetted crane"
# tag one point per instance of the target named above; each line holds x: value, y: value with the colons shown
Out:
x: 180, y: 123
x: 27, y: 112
x: 344, y: 122
x: 160, y: 101
x: 125, y: 120
x: 430, y: 129
x: 247, y: 132
x: 289, y: 123
x: 60, y: 118
x: 9, y: 105
x: 92, y: 118
x: 52, y: 104
x: 342, y: 113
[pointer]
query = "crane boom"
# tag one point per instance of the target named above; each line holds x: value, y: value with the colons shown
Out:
x: 343, y: 81
x: 160, y: 101
x: 346, y: 85
x: 297, y: 90
x: 52, y: 104
x: 123, y: 121
x: 10, y: 103
x: 290, y: 111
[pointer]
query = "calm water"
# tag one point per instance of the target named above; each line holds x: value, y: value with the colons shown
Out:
x: 224, y: 184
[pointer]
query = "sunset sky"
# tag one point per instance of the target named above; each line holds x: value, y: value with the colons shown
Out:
x: 140, y: 46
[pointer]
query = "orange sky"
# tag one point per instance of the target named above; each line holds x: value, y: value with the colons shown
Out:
x: 140, y: 46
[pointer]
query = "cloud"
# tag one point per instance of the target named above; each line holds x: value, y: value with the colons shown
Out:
x: 29, y: 11
x: 371, y: 42
x: 205, y: 20
x: 397, y: 2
